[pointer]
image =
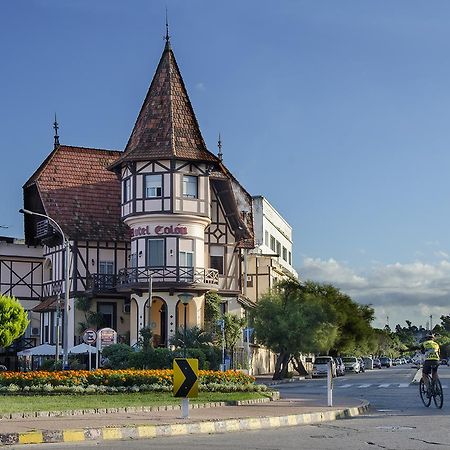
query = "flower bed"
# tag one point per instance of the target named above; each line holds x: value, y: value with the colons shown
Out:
x: 110, y: 381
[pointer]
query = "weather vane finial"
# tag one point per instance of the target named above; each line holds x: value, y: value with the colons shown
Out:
x: 219, y: 144
x: 167, y: 36
x: 56, y: 137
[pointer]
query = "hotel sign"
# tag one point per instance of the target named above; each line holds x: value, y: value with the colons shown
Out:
x: 158, y: 230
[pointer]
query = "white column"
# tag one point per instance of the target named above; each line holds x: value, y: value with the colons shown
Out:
x: 171, y: 315
x: 138, y: 320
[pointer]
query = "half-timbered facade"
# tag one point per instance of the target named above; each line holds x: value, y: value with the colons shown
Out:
x: 22, y: 277
x: 163, y: 218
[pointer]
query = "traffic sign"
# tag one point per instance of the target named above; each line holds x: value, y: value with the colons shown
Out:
x: 185, y: 377
x: 89, y: 336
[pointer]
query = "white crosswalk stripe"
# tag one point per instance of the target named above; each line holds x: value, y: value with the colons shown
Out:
x: 377, y: 386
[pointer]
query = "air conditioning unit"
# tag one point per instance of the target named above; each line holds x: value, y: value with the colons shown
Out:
x: 126, y: 308
x: 35, y: 331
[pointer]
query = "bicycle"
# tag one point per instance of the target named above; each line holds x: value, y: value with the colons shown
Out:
x: 431, y: 391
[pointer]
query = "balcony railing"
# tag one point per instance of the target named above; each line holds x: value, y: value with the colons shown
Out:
x: 101, y: 282
x: 44, y: 229
x: 169, y: 274
x: 51, y: 288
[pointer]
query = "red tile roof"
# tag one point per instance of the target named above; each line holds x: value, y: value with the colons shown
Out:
x: 166, y: 126
x: 79, y: 192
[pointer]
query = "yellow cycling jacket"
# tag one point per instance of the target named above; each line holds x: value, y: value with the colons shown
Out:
x: 431, y: 349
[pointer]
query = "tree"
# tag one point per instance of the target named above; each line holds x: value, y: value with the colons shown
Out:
x: 195, y: 338
x: 233, y: 330
x: 91, y: 318
x: 212, y: 311
x: 292, y: 319
x: 13, y: 320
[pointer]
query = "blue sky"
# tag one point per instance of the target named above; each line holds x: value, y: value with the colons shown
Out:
x: 335, y: 111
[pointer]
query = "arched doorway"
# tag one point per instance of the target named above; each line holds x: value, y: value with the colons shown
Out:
x: 157, y: 320
x: 179, y: 316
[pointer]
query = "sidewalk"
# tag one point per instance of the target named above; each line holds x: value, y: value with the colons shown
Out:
x: 146, y: 424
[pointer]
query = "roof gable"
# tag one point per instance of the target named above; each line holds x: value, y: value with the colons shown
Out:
x: 77, y: 191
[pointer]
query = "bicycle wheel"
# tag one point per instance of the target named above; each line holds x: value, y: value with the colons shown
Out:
x: 438, y: 395
x: 426, y: 399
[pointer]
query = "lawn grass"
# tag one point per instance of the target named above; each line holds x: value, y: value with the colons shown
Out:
x: 31, y: 403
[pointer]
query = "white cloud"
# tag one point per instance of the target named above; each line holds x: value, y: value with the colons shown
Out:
x: 441, y: 254
x: 410, y: 291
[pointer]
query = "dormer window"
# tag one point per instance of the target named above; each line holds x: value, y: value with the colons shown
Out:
x: 153, y: 186
x: 126, y: 190
x: 190, y: 189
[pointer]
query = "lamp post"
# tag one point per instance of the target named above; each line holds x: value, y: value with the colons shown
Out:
x: 58, y: 317
x: 67, y: 284
x: 185, y: 298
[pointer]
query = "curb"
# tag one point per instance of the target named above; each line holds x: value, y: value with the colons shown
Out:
x: 81, y: 412
x: 284, y: 381
x: 151, y: 431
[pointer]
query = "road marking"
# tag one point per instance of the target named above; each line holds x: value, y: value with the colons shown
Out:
x: 403, y: 385
x: 362, y: 386
x: 345, y: 386
x: 384, y: 385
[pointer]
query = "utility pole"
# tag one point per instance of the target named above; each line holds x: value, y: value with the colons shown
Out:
x: 431, y: 322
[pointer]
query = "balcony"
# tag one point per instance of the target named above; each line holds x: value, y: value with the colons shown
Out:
x: 52, y: 288
x: 101, y: 283
x: 44, y: 230
x: 168, y: 277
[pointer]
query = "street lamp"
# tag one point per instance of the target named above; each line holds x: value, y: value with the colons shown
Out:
x: 185, y: 298
x: 67, y: 283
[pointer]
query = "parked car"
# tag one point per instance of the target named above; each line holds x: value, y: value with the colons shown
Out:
x: 320, y: 366
x: 340, y: 367
x: 385, y: 361
x: 368, y: 363
x: 377, y: 363
x: 351, y: 364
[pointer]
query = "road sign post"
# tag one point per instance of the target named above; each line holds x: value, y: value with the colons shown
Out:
x: 330, y: 384
x: 185, y: 381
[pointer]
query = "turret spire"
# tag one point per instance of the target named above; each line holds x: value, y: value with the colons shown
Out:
x: 219, y: 145
x: 56, y: 137
x: 167, y: 36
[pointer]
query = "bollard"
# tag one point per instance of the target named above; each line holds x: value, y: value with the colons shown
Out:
x: 185, y: 408
x: 330, y: 385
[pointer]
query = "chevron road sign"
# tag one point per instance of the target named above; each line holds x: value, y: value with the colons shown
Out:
x: 185, y: 380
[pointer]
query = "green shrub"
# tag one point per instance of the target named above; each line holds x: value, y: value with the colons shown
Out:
x: 118, y: 356
x: 13, y: 320
x: 152, y: 358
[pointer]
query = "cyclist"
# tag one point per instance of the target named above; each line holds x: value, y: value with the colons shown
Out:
x: 430, y: 348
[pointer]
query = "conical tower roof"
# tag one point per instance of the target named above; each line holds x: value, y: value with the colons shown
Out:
x: 166, y: 126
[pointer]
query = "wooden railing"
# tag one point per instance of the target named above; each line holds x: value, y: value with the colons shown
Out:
x: 101, y: 282
x: 169, y: 274
x: 50, y: 288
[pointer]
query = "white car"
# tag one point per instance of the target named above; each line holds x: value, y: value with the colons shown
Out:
x: 320, y: 366
x: 351, y: 364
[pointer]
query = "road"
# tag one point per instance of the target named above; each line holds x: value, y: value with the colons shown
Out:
x: 398, y: 420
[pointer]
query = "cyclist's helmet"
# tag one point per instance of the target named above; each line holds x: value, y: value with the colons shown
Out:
x: 430, y: 336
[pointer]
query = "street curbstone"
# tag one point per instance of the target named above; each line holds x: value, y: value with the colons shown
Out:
x: 179, y: 429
